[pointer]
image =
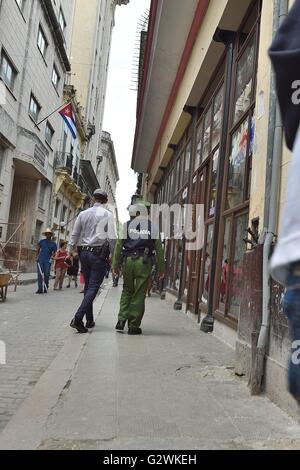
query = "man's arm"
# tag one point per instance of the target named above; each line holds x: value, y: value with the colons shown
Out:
x: 118, y: 250
x: 111, y: 233
x: 75, y: 234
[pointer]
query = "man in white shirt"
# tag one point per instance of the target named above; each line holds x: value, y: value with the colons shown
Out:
x: 95, y: 235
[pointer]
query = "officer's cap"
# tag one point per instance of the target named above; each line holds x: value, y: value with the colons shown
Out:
x: 100, y: 193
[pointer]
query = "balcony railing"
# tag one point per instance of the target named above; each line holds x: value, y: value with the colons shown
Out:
x: 65, y: 161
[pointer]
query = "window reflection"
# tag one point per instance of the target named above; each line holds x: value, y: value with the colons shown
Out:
x: 207, y: 260
x: 207, y: 134
x: 213, y: 193
x: 217, y: 118
x: 225, y: 265
x: 237, y: 273
x: 237, y: 166
x: 244, y: 81
x: 199, y: 146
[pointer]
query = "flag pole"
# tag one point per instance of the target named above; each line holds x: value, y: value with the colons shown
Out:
x: 51, y: 114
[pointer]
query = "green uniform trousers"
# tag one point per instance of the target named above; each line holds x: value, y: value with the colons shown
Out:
x: 136, y: 277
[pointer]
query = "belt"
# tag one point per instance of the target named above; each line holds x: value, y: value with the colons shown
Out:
x: 137, y: 253
x: 91, y: 249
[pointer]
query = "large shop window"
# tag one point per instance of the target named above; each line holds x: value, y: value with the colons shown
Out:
x: 239, y: 248
x: 245, y: 81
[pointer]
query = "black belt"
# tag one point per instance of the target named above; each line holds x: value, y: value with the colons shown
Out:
x: 97, y: 250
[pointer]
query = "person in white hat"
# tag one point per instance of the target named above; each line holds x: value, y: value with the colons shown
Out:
x: 46, y: 252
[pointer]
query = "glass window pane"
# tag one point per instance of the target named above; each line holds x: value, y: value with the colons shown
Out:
x: 213, y: 192
x: 207, y: 259
x: 225, y: 265
x: 188, y: 155
x: 237, y: 274
x: 237, y: 166
x: 207, y: 134
x: 217, y: 118
x: 244, y: 81
x: 198, y: 158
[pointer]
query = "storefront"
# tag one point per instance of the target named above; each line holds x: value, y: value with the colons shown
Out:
x: 191, y: 177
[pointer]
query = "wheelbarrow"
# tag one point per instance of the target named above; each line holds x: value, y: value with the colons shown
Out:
x: 4, y: 282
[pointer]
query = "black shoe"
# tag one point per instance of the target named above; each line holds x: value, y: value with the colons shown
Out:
x: 90, y: 324
x: 39, y: 292
x: 120, y: 325
x: 79, y: 326
x: 68, y: 287
x: 133, y: 330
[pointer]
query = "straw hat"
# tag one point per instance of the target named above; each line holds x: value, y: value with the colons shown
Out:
x: 48, y: 230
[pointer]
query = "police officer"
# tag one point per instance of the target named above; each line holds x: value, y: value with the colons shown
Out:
x: 134, y: 252
x: 94, y: 233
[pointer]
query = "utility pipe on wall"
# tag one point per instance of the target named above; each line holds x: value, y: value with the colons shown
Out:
x: 272, y: 191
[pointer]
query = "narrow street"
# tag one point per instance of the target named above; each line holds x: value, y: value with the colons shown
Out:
x: 172, y: 388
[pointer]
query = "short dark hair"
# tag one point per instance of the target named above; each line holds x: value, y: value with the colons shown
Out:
x: 101, y: 199
x: 62, y: 244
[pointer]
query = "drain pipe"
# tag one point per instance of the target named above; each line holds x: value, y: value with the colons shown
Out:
x: 271, y: 211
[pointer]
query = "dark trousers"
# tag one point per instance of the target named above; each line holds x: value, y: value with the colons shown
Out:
x: 93, y: 269
x: 291, y: 306
x: 45, y: 267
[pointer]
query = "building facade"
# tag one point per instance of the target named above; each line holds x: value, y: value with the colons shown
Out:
x: 90, y: 51
x: 205, y: 136
x: 47, y: 176
x: 34, y: 63
x: 109, y: 174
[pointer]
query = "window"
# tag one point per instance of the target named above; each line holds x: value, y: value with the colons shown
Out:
x: 213, y: 191
x: 238, y: 166
x: 62, y: 21
x: 49, y: 133
x: 245, y: 80
x: 38, y: 230
x: 55, y: 77
x: 42, y: 42
x: 1, y: 160
x: 8, y: 72
x: 34, y: 108
x: 57, y: 206
x: 188, y: 155
x: 21, y: 4
x: 199, y: 146
x: 236, y: 284
x: 64, y: 213
x: 217, y: 117
x: 207, y: 134
x: 42, y: 195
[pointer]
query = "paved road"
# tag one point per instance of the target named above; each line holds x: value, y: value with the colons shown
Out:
x: 34, y: 329
x: 172, y: 388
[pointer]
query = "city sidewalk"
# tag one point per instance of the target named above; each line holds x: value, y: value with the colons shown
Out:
x: 172, y: 388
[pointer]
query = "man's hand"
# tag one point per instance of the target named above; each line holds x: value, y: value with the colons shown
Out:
x: 161, y: 276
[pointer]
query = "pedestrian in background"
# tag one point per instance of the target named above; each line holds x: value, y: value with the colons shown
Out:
x: 285, y: 263
x: 60, y: 266
x: 95, y: 235
x: 45, y: 254
x: 73, y: 269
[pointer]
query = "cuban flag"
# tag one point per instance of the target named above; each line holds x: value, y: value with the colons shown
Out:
x: 68, y: 115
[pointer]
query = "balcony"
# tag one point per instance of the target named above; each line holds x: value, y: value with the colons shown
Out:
x: 64, y: 161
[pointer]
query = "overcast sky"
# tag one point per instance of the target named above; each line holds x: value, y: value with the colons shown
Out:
x: 120, y: 107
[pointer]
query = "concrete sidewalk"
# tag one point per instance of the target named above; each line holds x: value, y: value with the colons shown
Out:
x: 172, y: 388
